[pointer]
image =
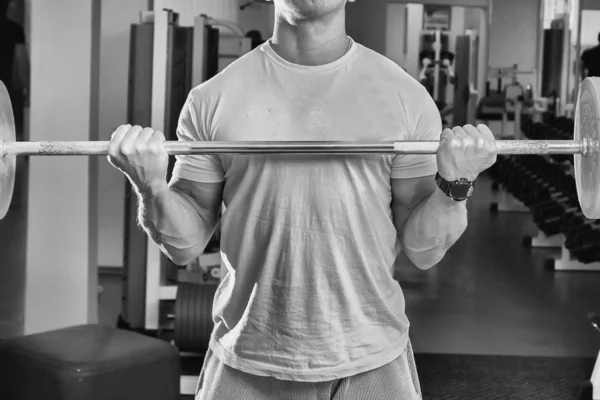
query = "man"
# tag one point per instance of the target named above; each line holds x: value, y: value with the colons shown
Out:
x: 308, y: 308
x: 14, y: 62
x: 590, y: 61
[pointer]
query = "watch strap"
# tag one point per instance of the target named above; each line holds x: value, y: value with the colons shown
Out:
x: 446, y: 186
x: 443, y: 184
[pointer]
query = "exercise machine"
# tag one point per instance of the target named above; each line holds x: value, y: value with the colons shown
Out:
x: 436, y: 65
x: 466, y: 93
x: 506, y: 102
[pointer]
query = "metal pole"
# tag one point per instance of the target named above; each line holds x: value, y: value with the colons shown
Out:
x: 289, y: 147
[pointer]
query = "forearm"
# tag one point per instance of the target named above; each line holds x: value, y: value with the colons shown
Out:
x: 432, y: 228
x: 177, y: 224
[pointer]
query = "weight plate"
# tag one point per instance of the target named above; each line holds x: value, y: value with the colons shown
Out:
x: 193, y: 316
x: 7, y: 163
x: 179, y: 305
x: 587, y: 168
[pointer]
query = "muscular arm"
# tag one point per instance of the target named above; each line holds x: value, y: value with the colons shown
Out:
x: 428, y: 222
x: 181, y: 217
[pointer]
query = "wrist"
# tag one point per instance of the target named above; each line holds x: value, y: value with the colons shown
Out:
x: 451, y: 177
x: 447, y: 201
x: 152, y: 189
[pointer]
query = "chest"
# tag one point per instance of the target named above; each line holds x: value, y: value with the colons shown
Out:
x: 311, y: 110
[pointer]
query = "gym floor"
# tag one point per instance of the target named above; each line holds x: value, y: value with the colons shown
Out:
x: 490, y: 295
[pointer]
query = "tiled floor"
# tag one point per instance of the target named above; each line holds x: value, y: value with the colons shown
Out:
x: 490, y: 295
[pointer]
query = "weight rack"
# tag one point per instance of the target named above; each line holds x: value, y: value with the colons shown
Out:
x: 546, y: 187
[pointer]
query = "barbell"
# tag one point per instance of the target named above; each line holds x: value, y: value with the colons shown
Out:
x: 585, y: 147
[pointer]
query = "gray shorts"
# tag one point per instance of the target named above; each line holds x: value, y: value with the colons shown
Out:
x: 397, y: 380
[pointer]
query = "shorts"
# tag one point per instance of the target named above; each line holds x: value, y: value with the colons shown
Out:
x: 397, y: 380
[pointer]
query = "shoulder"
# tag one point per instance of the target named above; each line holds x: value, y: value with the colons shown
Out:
x: 592, y: 51
x: 392, y: 75
x: 232, y: 79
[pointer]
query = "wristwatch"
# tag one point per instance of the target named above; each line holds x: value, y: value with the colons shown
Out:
x: 458, y: 190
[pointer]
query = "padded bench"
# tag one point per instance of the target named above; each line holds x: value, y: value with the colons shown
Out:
x: 88, y: 362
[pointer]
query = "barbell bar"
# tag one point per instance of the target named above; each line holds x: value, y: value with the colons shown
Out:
x: 585, y: 147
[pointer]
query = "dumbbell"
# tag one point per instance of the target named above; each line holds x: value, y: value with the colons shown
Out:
x: 540, y: 195
x: 518, y: 186
x: 579, y: 235
x: 586, y: 256
x: 535, y: 190
x: 548, y: 217
x: 552, y: 172
x: 513, y: 174
x: 583, y: 236
x: 556, y: 200
x: 588, y: 251
x: 573, y: 221
x: 537, y: 182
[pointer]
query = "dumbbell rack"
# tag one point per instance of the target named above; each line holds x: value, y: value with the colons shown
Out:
x: 544, y: 186
x: 566, y: 262
x: 543, y: 241
x: 505, y: 202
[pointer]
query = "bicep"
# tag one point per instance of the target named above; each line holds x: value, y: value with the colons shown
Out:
x: 407, y: 194
x: 206, y: 197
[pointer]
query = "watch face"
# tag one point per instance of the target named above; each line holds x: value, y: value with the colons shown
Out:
x: 461, y: 191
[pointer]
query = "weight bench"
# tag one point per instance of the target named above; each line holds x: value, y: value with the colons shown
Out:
x: 88, y: 362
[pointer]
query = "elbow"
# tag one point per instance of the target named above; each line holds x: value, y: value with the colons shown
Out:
x: 425, y: 260
x: 180, y: 257
x: 180, y: 253
x: 181, y: 260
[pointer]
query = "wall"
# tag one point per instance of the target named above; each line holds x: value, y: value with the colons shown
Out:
x: 514, y: 35
x: 188, y: 9
x: 473, y: 18
x: 413, y: 31
x: 366, y: 22
x: 61, y: 273
x: 396, y: 33
x: 258, y: 17
x: 590, y: 27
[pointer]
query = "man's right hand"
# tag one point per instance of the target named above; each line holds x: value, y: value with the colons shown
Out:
x: 140, y: 154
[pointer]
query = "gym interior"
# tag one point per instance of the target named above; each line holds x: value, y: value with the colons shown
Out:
x: 511, y: 312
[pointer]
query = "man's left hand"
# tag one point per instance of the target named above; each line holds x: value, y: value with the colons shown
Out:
x: 465, y: 152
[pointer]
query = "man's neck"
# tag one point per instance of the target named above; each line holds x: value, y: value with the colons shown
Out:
x: 316, y: 42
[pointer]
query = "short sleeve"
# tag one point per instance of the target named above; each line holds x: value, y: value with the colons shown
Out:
x: 192, y: 126
x: 427, y: 126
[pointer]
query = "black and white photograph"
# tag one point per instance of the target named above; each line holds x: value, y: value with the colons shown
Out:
x: 299, y: 199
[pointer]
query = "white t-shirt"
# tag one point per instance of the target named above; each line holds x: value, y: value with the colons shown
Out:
x: 308, y: 241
